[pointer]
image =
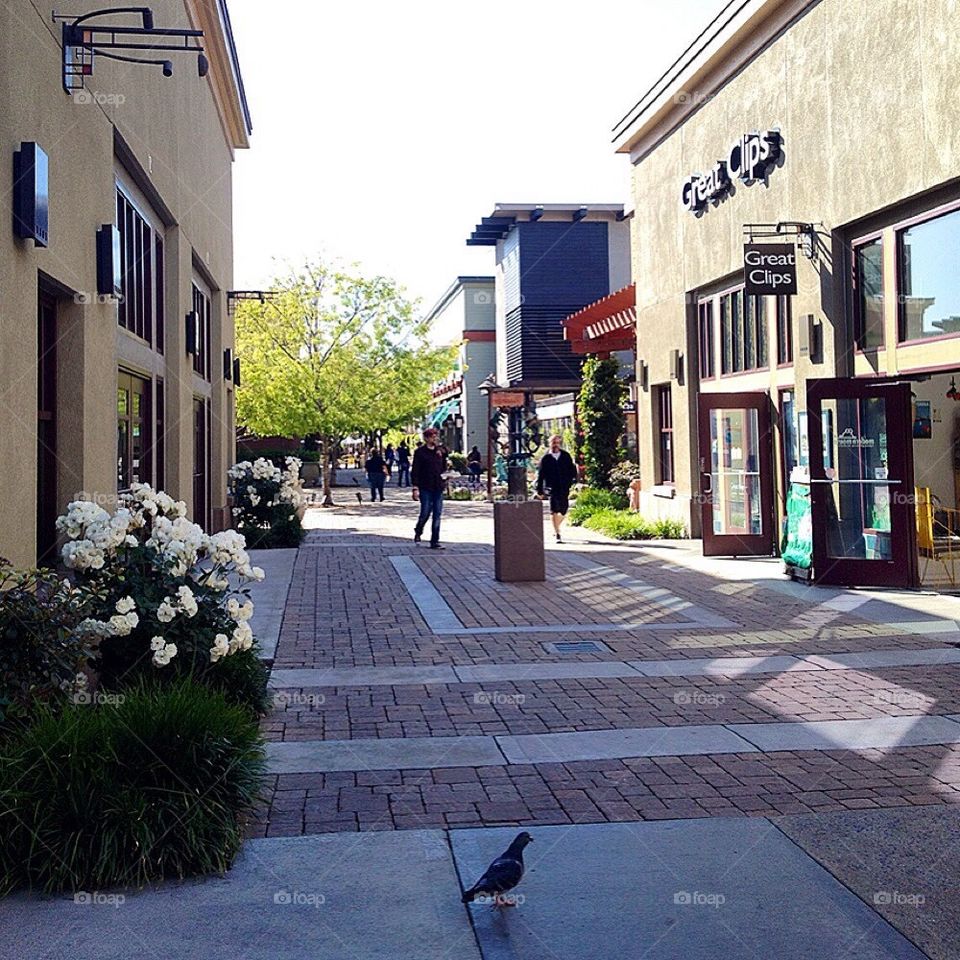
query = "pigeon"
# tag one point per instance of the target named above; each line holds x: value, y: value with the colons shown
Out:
x: 502, y: 875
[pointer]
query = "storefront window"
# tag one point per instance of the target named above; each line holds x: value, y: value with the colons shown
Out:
x: 133, y: 430
x: 784, y: 330
x: 743, y: 331
x: 664, y: 408
x: 705, y: 333
x: 869, y: 280
x: 929, y: 278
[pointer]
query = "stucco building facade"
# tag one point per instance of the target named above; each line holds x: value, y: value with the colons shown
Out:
x: 97, y: 392
x: 851, y: 104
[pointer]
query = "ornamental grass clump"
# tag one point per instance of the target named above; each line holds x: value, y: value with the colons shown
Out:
x: 267, y: 502
x: 170, y: 599
x: 589, y: 501
x: 156, y: 782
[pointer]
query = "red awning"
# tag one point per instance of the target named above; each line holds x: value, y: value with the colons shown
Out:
x: 604, y: 326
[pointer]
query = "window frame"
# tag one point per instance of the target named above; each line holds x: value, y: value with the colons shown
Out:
x: 783, y: 312
x: 665, y: 455
x: 146, y: 426
x: 898, y: 229
x: 855, y: 247
x: 140, y: 310
x: 706, y: 337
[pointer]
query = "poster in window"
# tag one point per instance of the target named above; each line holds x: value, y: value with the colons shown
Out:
x: 922, y: 420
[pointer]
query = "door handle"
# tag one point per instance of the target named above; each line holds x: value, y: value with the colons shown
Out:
x: 707, y: 489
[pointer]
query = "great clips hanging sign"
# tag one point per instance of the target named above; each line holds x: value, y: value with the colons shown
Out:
x: 750, y: 159
x: 769, y: 269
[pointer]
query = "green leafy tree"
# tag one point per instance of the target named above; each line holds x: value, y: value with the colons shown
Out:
x: 334, y: 355
x: 600, y: 415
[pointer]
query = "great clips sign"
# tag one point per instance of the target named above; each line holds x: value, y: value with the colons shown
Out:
x: 749, y: 159
x: 769, y: 269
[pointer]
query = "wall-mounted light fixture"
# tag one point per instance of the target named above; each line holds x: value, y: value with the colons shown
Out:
x: 227, y: 363
x: 643, y: 374
x: 109, y: 276
x: 31, y: 193
x: 81, y: 40
x: 236, y: 371
x: 676, y: 365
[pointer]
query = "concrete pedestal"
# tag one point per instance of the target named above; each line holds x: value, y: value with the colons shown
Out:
x: 518, y: 541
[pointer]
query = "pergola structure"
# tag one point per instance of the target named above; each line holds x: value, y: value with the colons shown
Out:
x: 605, y: 326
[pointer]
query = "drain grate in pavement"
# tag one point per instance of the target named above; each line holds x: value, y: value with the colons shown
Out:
x: 577, y: 646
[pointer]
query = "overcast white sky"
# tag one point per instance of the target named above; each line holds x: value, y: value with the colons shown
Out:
x: 383, y: 131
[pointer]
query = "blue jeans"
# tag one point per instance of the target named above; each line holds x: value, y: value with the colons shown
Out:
x: 403, y: 479
x: 431, y: 502
x: 376, y: 481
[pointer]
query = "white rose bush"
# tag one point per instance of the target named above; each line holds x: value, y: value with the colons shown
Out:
x: 171, y: 599
x: 267, y: 502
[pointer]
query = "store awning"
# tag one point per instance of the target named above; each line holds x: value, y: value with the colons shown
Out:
x: 607, y: 325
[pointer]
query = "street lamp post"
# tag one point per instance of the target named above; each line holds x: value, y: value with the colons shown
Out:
x: 487, y: 387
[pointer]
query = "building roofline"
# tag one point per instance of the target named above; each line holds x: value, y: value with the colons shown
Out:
x: 498, y: 224
x: 452, y: 291
x: 225, y: 79
x: 736, y: 35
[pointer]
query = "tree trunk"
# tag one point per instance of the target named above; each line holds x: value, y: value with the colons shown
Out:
x: 325, y: 462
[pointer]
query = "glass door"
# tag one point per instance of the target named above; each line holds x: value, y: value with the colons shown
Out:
x: 861, y: 482
x: 736, y: 474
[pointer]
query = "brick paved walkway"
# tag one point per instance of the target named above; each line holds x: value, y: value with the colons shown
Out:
x: 347, y: 607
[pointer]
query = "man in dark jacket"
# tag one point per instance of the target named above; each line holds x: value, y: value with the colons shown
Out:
x: 376, y: 469
x: 429, y: 465
x: 403, y: 464
x: 557, y: 474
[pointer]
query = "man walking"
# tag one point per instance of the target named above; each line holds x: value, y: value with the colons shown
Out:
x: 376, y: 470
x: 429, y: 465
x: 557, y: 474
x: 403, y: 464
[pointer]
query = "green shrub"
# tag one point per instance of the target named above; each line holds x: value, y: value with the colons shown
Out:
x: 669, y: 529
x: 42, y: 654
x: 243, y: 680
x: 624, y: 525
x: 460, y: 493
x: 589, y: 501
x: 266, y: 502
x: 156, y: 785
x: 458, y: 462
x: 620, y: 525
x: 621, y: 476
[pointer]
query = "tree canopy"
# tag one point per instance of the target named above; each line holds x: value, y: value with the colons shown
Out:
x: 334, y: 354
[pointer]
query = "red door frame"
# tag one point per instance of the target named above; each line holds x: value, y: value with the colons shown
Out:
x: 737, y: 545
x: 902, y: 570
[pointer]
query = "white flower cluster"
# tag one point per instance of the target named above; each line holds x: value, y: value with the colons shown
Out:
x: 121, y: 624
x: 287, y: 482
x: 163, y: 652
x: 184, y: 602
x: 96, y: 537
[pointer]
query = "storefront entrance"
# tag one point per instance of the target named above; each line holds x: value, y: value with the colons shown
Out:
x: 861, y: 482
x: 736, y: 474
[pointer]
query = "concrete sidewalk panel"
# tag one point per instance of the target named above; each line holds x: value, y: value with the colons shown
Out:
x: 692, y: 889
x: 395, y: 753
x: 720, y: 666
x: 360, y: 676
x: 615, y: 744
x: 368, y: 896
